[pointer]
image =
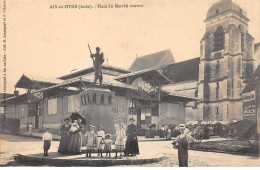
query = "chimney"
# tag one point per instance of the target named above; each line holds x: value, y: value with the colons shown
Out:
x: 16, y: 93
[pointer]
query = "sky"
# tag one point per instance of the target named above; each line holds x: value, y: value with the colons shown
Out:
x: 52, y: 42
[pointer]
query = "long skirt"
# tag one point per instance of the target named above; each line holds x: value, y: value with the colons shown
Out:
x: 47, y: 145
x: 75, y: 143
x: 131, y: 146
x: 183, y: 157
x: 64, y: 142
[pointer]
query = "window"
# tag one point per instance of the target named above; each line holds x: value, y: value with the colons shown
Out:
x: 217, y: 11
x: 242, y: 38
x: 94, y: 98
x: 170, y: 110
x: 110, y: 100
x: 102, y: 99
x: 133, y: 107
x: 217, y: 113
x: 52, y: 106
x: 83, y: 103
x: 73, y: 103
x: 195, y: 106
x: 155, y: 110
x: 21, y: 111
x: 219, y: 39
x: 217, y: 90
x: 88, y: 99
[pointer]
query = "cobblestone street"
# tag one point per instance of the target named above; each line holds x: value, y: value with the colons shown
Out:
x: 14, y: 145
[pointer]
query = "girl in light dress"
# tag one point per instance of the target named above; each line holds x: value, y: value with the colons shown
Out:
x: 120, y: 140
x: 99, y: 140
x: 108, y: 143
x: 90, y: 140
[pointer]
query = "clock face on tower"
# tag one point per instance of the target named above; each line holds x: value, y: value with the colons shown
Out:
x: 142, y: 85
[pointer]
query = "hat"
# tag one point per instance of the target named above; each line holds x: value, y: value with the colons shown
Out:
x: 109, y: 135
x: 67, y: 119
x: 132, y: 119
x: 100, y: 127
x: 91, y: 126
x: 182, y: 126
x: 47, y: 128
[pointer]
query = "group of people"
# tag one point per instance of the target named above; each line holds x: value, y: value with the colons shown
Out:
x: 165, y: 132
x: 71, y: 139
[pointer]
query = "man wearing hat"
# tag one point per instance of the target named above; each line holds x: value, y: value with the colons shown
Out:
x: 99, y: 140
x: 182, y: 143
x: 99, y: 60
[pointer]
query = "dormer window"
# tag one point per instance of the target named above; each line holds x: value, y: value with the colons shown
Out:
x: 217, y: 11
x: 241, y: 11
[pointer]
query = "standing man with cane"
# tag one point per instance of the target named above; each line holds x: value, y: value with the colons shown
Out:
x: 99, y: 60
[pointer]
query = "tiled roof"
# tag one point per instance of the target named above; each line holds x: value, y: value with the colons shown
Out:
x: 183, y: 71
x: 90, y: 70
x: 153, y: 61
x: 27, y: 80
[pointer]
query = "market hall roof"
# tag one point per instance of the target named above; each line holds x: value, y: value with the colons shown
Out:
x: 35, y: 82
x: 90, y: 70
x: 153, y: 61
x: 154, y: 77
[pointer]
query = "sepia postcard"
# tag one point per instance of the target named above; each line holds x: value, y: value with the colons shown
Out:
x: 130, y: 83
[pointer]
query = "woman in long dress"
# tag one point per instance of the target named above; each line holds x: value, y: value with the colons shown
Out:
x: 75, y: 143
x: 64, y: 132
x: 120, y: 140
x: 132, y: 142
x: 182, y: 143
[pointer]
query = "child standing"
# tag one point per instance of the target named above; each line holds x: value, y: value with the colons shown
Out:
x: 120, y: 140
x: 47, y: 138
x: 90, y: 139
x: 108, y: 142
x: 99, y: 139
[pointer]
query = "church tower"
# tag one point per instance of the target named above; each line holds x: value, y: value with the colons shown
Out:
x: 226, y: 62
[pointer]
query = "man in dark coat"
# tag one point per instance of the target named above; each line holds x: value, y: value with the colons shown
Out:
x: 99, y: 60
x: 182, y: 143
x: 131, y: 142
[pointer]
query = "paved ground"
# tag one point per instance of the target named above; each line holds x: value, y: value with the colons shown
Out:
x: 12, y: 145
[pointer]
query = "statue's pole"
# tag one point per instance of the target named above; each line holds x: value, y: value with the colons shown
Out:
x: 90, y: 52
